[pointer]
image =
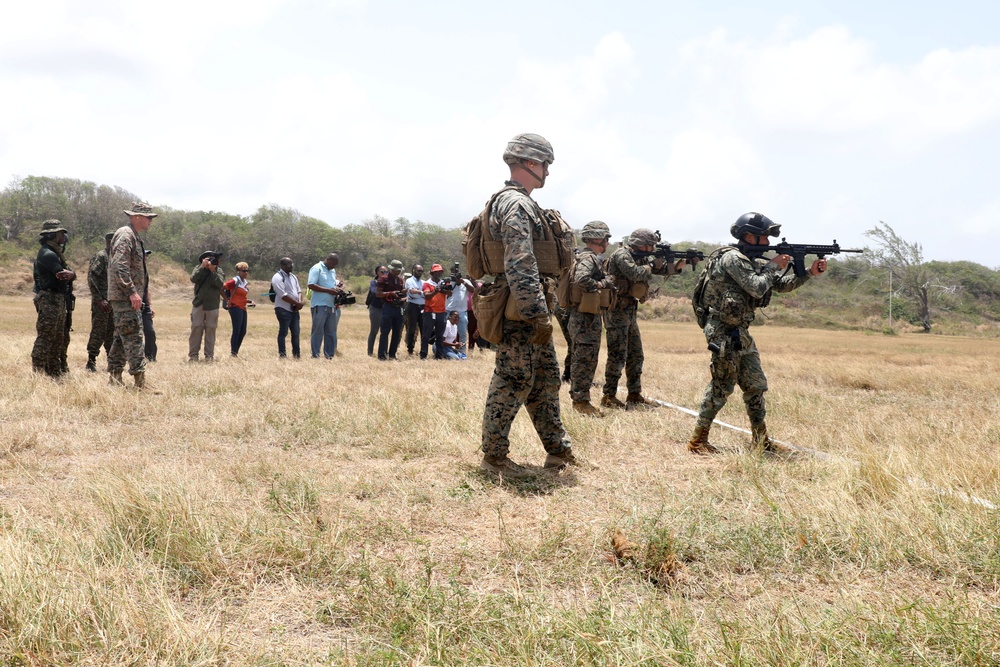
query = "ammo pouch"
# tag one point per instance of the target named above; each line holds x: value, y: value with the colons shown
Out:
x: 488, y: 303
x: 639, y: 291
x: 594, y: 302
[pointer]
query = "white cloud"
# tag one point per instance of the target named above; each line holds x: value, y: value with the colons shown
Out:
x: 831, y: 82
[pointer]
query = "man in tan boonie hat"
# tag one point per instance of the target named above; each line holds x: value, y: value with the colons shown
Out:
x: 128, y: 282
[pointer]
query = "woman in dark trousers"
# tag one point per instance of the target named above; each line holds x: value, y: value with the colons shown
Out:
x: 236, y: 302
x: 374, y: 309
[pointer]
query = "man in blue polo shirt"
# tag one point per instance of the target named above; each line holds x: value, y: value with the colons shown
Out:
x: 325, y: 312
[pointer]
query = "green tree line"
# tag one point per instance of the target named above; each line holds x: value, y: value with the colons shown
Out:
x: 89, y: 211
x: 893, y: 274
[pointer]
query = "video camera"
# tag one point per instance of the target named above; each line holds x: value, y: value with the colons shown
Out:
x: 448, y: 284
x: 345, y: 299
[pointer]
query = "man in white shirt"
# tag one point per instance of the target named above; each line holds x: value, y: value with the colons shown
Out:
x: 287, y: 304
x: 414, y: 308
x: 453, y: 347
x: 458, y: 302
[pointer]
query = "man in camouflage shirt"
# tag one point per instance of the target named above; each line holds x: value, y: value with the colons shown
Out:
x: 624, y: 343
x: 53, y: 301
x: 526, y: 371
x: 585, y: 328
x: 128, y: 281
x: 736, y: 286
x: 102, y: 323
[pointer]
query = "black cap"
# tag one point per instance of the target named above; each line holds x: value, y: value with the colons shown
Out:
x: 209, y: 253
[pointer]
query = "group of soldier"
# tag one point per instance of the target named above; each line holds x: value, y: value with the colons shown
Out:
x: 119, y: 285
x: 526, y: 265
x: 608, y: 290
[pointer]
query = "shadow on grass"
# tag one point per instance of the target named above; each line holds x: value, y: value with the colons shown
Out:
x: 543, y: 481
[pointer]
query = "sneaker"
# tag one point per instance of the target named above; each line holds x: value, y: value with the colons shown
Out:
x: 585, y: 408
x: 611, y: 402
x: 504, y: 467
x: 562, y: 459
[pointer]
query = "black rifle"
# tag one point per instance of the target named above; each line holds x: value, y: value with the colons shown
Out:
x: 798, y: 251
x: 670, y: 256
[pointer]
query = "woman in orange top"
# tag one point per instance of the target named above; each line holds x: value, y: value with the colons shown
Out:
x: 235, y: 293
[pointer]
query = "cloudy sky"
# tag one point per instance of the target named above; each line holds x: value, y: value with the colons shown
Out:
x: 679, y: 116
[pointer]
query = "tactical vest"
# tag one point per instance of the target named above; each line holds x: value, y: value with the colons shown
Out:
x: 717, y: 294
x: 553, y: 245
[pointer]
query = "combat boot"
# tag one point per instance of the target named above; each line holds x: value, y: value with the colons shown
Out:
x: 699, y: 443
x: 116, y: 378
x: 140, y: 380
x: 563, y: 458
x: 585, y: 408
x: 91, y: 363
x: 504, y: 467
x: 636, y: 401
x: 608, y: 401
x: 760, y: 440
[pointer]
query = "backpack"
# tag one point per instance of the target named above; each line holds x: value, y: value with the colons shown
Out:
x: 701, y: 309
x: 482, y: 253
x: 270, y: 292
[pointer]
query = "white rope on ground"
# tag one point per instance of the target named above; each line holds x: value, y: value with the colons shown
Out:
x: 823, y: 456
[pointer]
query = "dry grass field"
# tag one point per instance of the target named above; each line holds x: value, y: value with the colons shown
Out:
x: 266, y: 512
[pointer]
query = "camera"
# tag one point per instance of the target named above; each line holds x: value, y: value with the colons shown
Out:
x: 448, y: 284
x: 214, y: 259
x: 345, y: 299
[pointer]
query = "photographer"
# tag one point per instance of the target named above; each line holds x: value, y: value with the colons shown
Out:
x: 436, y: 293
x: 390, y: 288
x: 374, y: 304
x: 323, y: 305
x: 208, y: 281
x: 459, y: 301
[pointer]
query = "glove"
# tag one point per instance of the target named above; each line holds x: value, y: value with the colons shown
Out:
x: 543, y: 330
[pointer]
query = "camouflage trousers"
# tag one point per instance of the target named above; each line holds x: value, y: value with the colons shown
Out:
x: 729, y: 368
x: 585, y: 330
x: 527, y: 375
x: 624, y: 350
x: 562, y: 317
x: 52, y: 338
x: 102, y: 331
x: 127, y: 344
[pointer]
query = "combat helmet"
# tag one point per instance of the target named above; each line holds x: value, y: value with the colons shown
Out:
x: 595, y: 230
x: 755, y: 223
x: 529, y: 147
x: 643, y: 236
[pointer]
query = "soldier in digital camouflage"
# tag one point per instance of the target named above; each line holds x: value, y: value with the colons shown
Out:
x: 128, y: 281
x: 631, y: 282
x: 53, y: 290
x: 735, y: 286
x: 526, y: 371
x: 102, y: 322
x: 585, y: 327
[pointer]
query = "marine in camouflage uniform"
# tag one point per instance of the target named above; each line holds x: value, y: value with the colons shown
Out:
x: 736, y: 286
x: 620, y: 321
x: 128, y: 281
x: 585, y: 328
x: 102, y: 323
x: 526, y: 371
x: 53, y: 301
